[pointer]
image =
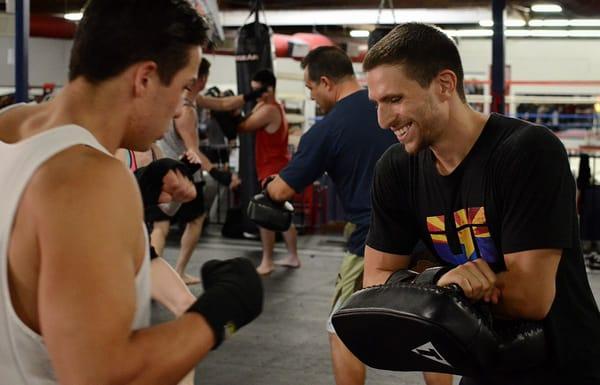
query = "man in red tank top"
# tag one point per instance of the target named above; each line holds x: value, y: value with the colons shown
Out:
x: 268, y: 121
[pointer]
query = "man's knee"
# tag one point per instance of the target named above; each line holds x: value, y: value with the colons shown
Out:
x: 348, y: 370
x: 437, y: 378
x: 196, y: 222
x: 161, y: 228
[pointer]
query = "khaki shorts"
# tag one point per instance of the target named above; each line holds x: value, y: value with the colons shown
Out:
x: 349, y: 280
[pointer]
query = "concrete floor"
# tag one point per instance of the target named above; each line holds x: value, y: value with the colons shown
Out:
x: 287, y: 344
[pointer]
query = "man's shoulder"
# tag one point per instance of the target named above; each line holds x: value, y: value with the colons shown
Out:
x: 354, y: 110
x: 355, y: 103
x: 395, y: 158
x: 521, y: 136
x: 267, y: 107
x: 272, y: 111
x: 80, y: 171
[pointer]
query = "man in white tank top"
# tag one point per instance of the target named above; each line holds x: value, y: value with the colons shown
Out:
x: 74, y: 278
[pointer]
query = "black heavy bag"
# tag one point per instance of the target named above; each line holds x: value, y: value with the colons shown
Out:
x: 253, y: 53
x: 233, y: 226
x: 227, y: 122
x: 377, y: 34
x: 381, y: 30
x: 414, y: 325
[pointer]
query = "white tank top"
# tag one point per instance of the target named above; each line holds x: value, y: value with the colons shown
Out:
x: 23, y: 356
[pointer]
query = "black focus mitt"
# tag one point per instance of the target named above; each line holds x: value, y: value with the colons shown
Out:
x: 411, y: 324
x: 255, y: 94
x: 271, y: 215
x: 214, y: 92
x: 150, y: 178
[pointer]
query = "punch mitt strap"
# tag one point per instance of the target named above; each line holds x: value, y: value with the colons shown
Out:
x: 432, y: 275
x: 402, y: 275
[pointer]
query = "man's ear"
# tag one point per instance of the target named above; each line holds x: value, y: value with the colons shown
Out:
x: 447, y: 81
x: 145, y: 76
x: 327, y: 82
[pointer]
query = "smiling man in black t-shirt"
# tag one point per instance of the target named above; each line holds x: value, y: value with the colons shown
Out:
x: 492, y: 197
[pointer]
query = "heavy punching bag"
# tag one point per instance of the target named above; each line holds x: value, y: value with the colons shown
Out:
x: 381, y: 30
x: 253, y: 53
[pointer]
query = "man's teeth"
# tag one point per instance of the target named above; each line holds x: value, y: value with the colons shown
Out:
x: 404, y: 129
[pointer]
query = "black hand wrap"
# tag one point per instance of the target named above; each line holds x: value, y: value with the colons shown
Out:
x: 410, y: 324
x: 233, y: 296
x: 214, y: 92
x: 255, y: 94
x: 271, y: 215
x: 191, y: 168
x: 150, y: 178
x: 223, y: 177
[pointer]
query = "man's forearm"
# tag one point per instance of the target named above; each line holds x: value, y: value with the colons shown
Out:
x: 227, y: 103
x: 156, y: 355
x: 174, y: 360
x: 190, y: 141
x: 379, y: 266
x: 279, y: 191
x: 376, y: 276
x: 518, y: 300
x: 185, y: 125
x: 528, y: 286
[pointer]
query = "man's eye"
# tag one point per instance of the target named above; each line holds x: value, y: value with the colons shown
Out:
x: 187, y: 88
x: 396, y: 99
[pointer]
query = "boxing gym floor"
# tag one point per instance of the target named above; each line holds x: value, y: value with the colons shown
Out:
x: 287, y: 344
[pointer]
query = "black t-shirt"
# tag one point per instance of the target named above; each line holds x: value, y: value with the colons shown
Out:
x: 513, y: 192
x: 346, y: 144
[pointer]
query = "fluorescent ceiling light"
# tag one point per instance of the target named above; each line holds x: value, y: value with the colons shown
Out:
x: 582, y: 33
x: 552, y: 33
x: 549, y: 23
x: 585, y: 22
x: 76, y: 16
x: 564, y: 23
x: 548, y: 33
x: 469, y: 32
x: 359, y: 33
x: 517, y: 33
x: 507, y: 23
x: 548, y: 8
x: 559, y: 33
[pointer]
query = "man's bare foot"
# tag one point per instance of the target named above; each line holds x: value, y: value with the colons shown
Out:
x: 190, y: 279
x: 290, y: 262
x: 264, y: 269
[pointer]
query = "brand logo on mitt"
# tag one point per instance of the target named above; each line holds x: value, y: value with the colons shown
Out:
x: 429, y: 352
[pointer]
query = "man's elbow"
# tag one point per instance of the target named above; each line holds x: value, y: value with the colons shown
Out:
x: 534, y: 307
x: 539, y: 311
